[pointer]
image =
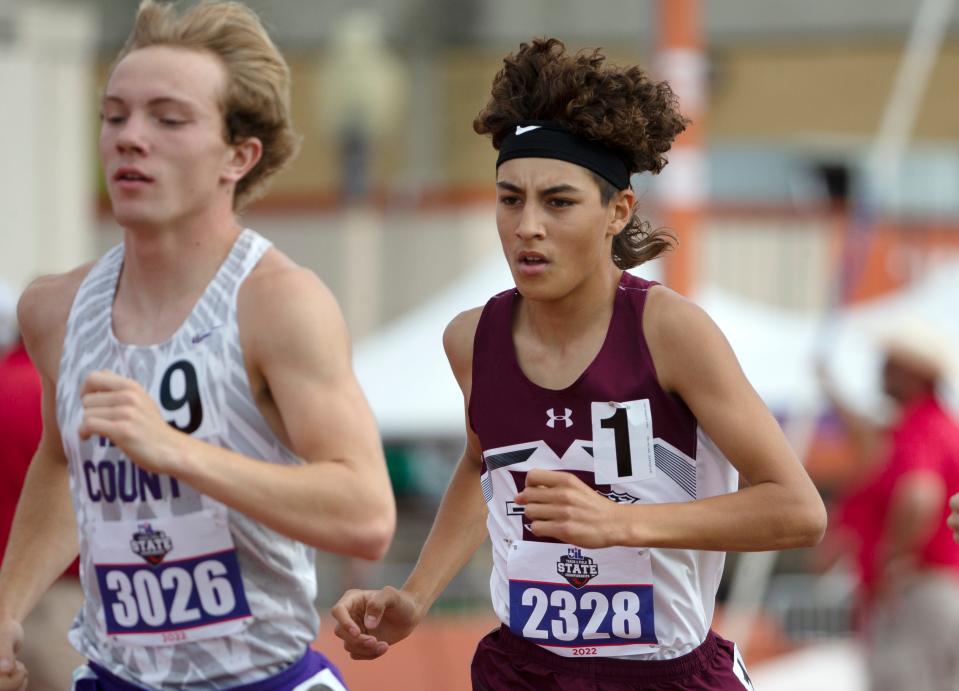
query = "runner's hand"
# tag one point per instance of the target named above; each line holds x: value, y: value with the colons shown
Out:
x: 13, y: 675
x: 369, y: 621
x: 120, y: 410
x: 561, y: 506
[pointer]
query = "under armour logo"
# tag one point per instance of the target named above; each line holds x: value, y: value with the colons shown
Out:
x: 566, y: 417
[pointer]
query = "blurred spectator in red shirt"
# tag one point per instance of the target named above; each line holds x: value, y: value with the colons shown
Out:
x: 20, y: 428
x: 894, y: 522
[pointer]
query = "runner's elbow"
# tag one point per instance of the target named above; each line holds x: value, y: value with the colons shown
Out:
x: 809, y: 522
x: 373, y: 537
x: 368, y: 533
x: 354, y: 536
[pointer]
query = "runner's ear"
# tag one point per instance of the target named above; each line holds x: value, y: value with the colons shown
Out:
x: 243, y: 157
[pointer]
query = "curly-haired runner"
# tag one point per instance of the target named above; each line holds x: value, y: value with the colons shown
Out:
x: 608, y: 420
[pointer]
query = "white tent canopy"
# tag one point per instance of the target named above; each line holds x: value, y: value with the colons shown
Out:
x: 406, y: 377
x: 403, y: 369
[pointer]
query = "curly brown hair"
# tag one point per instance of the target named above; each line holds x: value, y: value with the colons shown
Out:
x: 621, y: 107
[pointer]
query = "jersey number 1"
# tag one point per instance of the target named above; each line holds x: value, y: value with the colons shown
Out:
x: 619, y: 423
x: 622, y: 441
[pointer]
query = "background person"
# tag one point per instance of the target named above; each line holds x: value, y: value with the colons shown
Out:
x: 894, y: 521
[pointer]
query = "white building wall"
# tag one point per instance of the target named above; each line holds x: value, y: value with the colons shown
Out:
x: 46, y: 131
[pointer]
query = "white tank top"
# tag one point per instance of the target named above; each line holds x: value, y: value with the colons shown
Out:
x: 181, y: 591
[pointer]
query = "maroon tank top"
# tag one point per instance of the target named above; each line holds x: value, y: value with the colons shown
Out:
x: 506, y: 408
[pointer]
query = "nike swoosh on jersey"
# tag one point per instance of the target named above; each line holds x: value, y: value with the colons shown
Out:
x: 527, y: 128
x: 198, y: 338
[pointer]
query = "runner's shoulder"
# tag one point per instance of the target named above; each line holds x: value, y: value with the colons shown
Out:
x: 284, y: 309
x: 279, y: 282
x: 42, y: 314
x: 458, y: 339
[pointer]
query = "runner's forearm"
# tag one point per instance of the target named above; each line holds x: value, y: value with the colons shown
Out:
x: 458, y: 530
x: 336, y: 506
x: 758, y: 518
x: 43, y: 538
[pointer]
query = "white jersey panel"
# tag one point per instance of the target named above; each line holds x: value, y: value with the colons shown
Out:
x: 684, y: 582
x: 181, y: 591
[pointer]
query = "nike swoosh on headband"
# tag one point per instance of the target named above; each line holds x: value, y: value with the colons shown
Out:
x: 545, y: 139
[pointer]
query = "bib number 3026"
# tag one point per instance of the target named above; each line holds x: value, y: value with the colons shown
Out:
x: 622, y: 441
x: 167, y: 581
x: 191, y: 593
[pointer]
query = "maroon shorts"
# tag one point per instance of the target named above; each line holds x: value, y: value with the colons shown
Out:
x: 505, y: 662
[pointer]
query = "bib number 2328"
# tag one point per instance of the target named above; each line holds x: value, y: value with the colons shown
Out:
x: 582, y: 602
x: 556, y: 615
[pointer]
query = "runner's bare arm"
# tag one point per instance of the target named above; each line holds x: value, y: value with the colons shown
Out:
x: 460, y: 524
x: 369, y: 621
x: 43, y: 538
x: 780, y: 508
x: 297, y: 351
x: 458, y: 530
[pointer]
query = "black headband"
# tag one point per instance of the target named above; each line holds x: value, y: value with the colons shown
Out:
x: 542, y: 139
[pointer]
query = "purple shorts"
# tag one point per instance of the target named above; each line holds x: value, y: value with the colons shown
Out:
x: 506, y: 662
x: 313, y: 668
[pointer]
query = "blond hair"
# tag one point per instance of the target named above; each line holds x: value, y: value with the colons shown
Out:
x: 256, y: 100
